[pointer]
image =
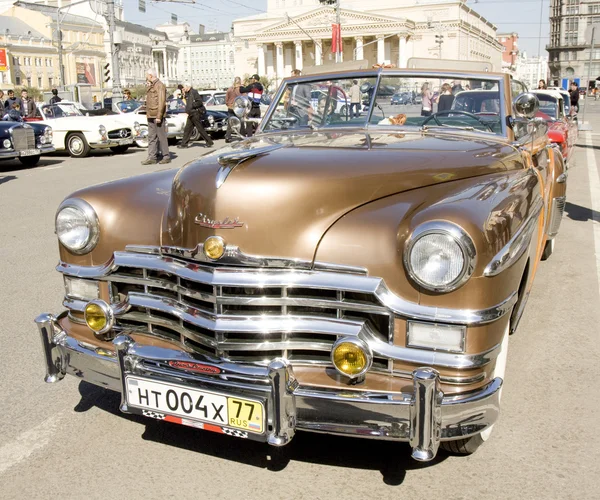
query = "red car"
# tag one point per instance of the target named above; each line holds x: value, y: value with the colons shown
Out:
x: 561, y: 128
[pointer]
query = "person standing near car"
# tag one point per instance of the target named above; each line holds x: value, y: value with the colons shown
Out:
x: 574, y: 94
x: 426, y: 100
x: 299, y: 99
x: 446, y: 98
x: 355, y: 98
x: 254, y: 91
x: 11, y: 99
x: 194, y: 107
x: 156, y: 108
x: 55, y: 98
x: 230, y: 96
x: 27, y: 105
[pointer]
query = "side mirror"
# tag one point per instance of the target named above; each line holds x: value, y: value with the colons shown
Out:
x: 241, y: 106
x: 526, y: 105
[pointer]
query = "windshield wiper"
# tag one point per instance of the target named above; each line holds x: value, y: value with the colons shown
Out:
x: 425, y: 128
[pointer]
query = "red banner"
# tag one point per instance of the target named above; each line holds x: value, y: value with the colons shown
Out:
x: 3, y: 60
x: 336, y: 38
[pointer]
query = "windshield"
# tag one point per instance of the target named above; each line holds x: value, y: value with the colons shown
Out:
x: 548, y: 107
x: 60, y: 110
x: 175, y: 106
x: 128, y: 106
x: 419, y: 101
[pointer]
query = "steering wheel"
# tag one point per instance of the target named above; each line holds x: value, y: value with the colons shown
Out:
x: 434, y: 117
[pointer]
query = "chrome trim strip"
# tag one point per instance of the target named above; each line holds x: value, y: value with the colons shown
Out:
x: 240, y: 277
x: 512, y: 251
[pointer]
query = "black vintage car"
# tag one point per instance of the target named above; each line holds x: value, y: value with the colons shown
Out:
x: 214, y: 122
x: 25, y: 141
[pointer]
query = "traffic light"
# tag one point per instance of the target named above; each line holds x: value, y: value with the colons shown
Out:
x: 106, y: 72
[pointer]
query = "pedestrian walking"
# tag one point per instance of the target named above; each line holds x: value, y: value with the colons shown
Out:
x: 355, y: 98
x: 254, y: 91
x: 230, y: 96
x: 11, y: 99
x: 55, y: 97
x: 27, y: 105
x: 446, y: 98
x: 156, y: 108
x: 299, y: 100
x: 574, y: 95
x: 194, y: 107
x: 426, y: 100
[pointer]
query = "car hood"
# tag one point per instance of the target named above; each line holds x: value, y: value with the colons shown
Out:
x: 290, y: 189
x: 92, y: 123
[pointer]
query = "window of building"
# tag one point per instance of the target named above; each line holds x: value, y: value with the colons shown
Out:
x: 39, y: 82
x: 29, y: 81
x: 17, y: 80
x: 594, y: 8
x: 572, y: 7
x: 50, y: 82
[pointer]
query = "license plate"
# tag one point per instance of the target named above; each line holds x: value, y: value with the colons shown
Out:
x: 197, y: 405
x: 126, y: 141
x: 30, y: 152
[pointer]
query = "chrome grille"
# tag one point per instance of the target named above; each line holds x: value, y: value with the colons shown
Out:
x: 558, y: 209
x: 245, y: 321
x: 23, y: 138
x: 116, y: 134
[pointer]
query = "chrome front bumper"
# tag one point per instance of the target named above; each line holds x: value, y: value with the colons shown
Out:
x: 423, y: 417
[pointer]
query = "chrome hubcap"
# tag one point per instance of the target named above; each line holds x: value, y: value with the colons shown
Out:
x: 76, y: 145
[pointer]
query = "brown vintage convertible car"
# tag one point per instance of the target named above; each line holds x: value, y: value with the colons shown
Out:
x: 353, y: 274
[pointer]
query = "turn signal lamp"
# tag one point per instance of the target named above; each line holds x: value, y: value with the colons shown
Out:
x: 98, y: 316
x: 214, y: 247
x: 351, y: 357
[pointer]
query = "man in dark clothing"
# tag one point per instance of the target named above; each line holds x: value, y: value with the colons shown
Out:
x: 254, y: 91
x: 574, y: 93
x: 8, y: 104
x: 194, y: 107
x: 28, y: 106
x: 55, y: 98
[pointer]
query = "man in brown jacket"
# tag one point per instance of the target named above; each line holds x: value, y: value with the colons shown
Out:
x: 156, y: 108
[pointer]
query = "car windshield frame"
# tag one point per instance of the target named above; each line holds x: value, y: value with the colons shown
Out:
x: 497, y: 78
x: 59, y: 105
x: 133, y: 109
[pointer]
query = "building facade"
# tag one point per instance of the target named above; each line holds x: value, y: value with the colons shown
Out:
x: 510, y: 51
x: 207, y: 60
x: 530, y: 70
x: 294, y: 34
x: 570, y: 41
x: 30, y: 36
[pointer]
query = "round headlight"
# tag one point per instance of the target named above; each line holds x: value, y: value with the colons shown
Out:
x: 7, y: 144
x: 77, y: 226
x: 42, y: 139
x: 98, y: 316
x: 102, y: 130
x: 440, y: 256
x: 351, y: 357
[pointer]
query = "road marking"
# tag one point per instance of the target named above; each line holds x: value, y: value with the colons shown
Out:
x: 29, y: 441
x: 595, y: 193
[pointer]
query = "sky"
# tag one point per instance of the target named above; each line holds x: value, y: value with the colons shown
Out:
x: 520, y: 16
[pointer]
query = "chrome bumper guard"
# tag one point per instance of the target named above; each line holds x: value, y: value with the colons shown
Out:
x: 423, y: 418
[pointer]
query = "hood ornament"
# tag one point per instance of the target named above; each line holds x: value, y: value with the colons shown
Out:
x: 229, y: 161
x: 226, y: 223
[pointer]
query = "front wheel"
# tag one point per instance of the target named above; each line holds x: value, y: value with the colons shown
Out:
x: 142, y: 141
x: 77, y: 146
x: 119, y: 149
x: 195, y: 135
x: 30, y: 161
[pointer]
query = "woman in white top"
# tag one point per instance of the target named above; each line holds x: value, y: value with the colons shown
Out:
x: 427, y: 104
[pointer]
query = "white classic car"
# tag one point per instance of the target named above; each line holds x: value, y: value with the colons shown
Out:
x: 79, y: 134
x: 135, y: 112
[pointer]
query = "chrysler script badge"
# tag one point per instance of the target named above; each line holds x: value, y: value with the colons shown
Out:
x: 195, y: 367
x: 226, y: 223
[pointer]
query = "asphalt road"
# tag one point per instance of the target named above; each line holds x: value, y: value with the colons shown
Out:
x: 68, y: 440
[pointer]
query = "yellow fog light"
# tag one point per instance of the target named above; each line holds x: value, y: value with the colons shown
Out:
x: 214, y: 247
x: 351, y: 357
x: 98, y: 316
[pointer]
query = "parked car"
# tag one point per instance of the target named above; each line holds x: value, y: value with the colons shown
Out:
x: 79, y: 134
x: 215, y: 122
x: 356, y: 278
x: 25, y: 141
x: 403, y: 98
x: 562, y: 130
